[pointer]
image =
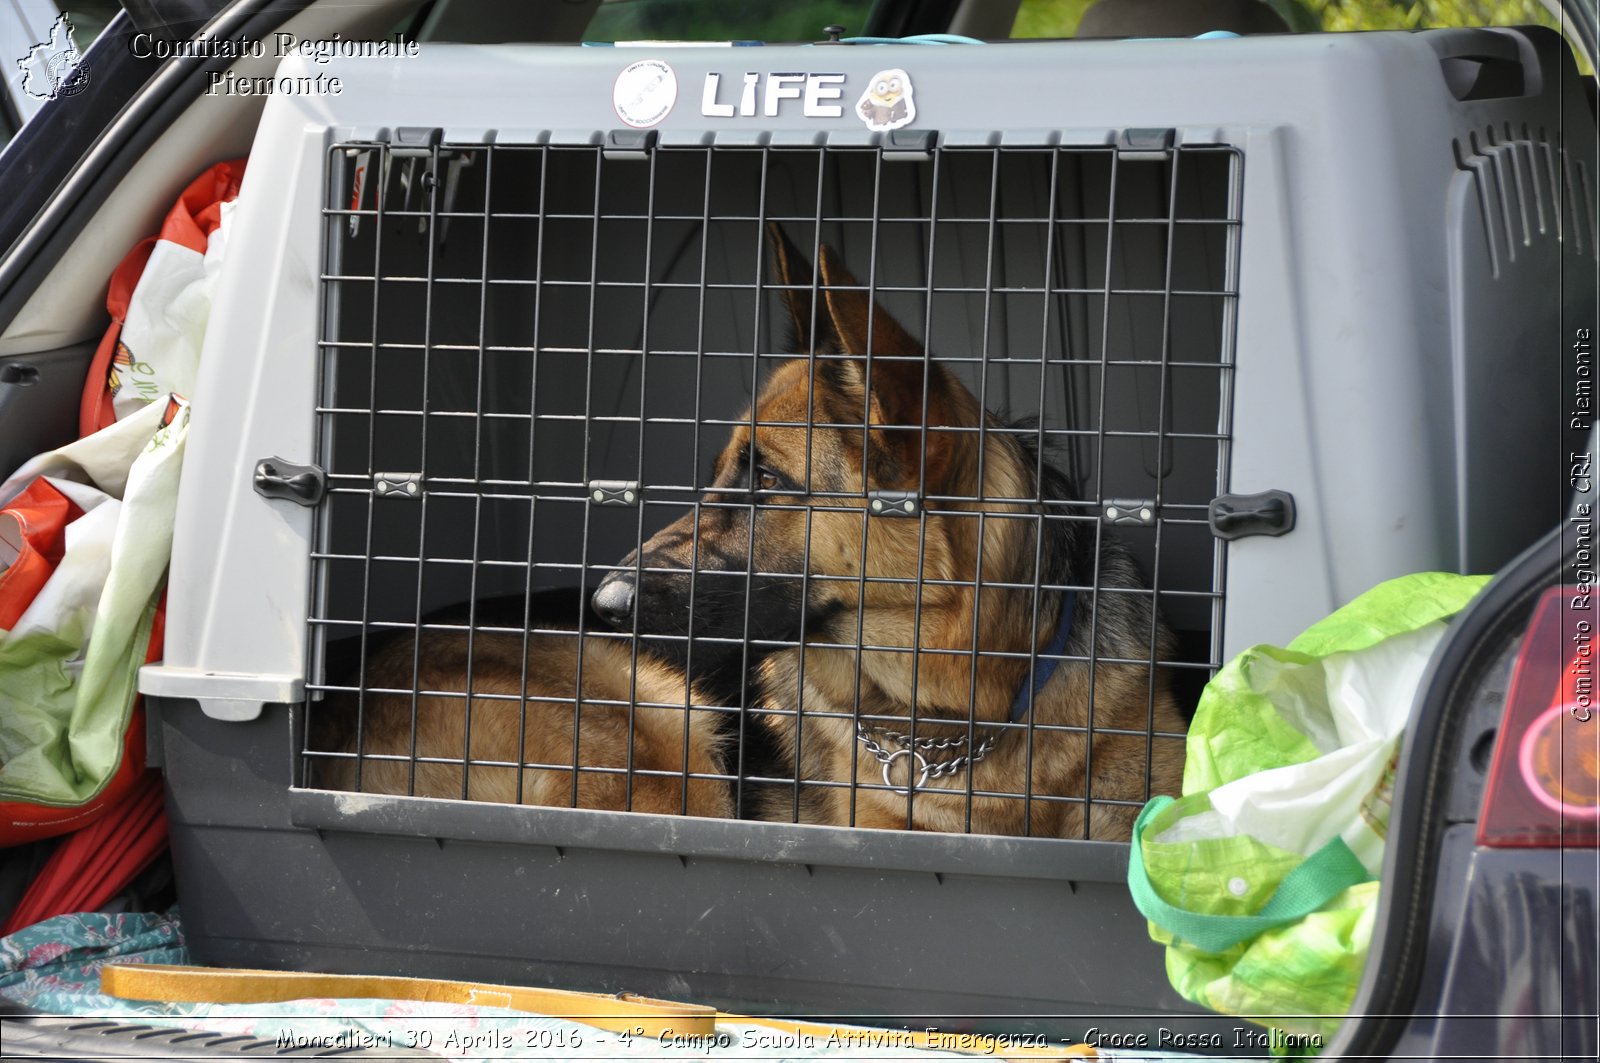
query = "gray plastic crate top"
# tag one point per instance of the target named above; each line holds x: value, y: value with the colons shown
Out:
x: 1405, y: 206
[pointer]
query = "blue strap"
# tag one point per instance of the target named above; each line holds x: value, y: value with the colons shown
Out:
x: 1045, y: 666
x: 1208, y: 35
x: 919, y: 38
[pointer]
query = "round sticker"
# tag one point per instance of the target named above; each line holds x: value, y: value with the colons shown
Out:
x: 645, y: 92
x: 1560, y: 764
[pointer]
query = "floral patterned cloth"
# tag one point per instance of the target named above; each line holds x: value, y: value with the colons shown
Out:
x: 55, y: 965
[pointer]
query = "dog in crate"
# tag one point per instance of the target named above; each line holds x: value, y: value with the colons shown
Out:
x: 639, y: 745
x: 929, y: 672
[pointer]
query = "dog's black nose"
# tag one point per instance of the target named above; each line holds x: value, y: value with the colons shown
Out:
x: 613, y: 599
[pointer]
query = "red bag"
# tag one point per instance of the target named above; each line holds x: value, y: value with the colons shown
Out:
x: 94, y: 864
x: 115, y: 850
x: 37, y: 519
x: 193, y: 218
x: 39, y: 516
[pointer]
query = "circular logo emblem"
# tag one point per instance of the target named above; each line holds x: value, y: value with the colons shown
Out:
x: 1560, y: 765
x: 644, y: 93
x: 69, y: 74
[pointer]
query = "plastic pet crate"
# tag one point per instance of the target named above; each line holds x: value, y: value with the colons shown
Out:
x: 1262, y: 303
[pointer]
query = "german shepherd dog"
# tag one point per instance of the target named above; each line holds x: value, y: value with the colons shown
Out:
x: 952, y: 607
x: 661, y: 738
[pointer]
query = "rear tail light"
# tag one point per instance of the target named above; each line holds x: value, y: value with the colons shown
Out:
x: 1544, y: 781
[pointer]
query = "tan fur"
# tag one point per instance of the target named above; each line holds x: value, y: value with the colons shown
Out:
x: 951, y: 667
x: 660, y: 735
x: 1058, y: 762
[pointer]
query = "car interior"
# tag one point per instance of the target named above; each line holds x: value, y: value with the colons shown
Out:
x: 98, y: 191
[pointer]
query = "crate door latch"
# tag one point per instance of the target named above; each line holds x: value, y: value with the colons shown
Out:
x: 1238, y: 516
x: 403, y: 485
x: 303, y: 485
x: 1128, y: 512
x: 886, y: 503
x: 614, y: 492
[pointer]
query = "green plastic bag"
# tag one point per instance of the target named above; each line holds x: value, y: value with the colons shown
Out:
x: 1261, y: 879
x: 69, y: 667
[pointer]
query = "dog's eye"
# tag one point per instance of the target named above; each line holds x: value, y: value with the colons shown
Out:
x: 766, y: 479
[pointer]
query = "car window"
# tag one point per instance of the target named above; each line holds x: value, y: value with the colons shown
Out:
x: 1427, y: 14
x: 41, y: 44
x: 1061, y: 18
x: 723, y: 20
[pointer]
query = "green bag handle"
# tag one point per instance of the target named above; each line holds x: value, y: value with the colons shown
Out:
x: 1323, y: 875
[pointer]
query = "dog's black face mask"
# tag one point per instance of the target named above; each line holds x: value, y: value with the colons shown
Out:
x: 725, y: 585
x: 691, y: 597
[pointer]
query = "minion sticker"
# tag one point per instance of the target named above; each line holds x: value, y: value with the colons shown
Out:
x: 887, y: 102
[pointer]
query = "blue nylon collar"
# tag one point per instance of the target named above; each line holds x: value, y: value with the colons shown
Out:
x: 1045, y: 666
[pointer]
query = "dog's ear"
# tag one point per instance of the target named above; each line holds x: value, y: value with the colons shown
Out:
x: 866, y: 330
x: 850, y: 311
x: 906, y: 388
x: 794, y: 273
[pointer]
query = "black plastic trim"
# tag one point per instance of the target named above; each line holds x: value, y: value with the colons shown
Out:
x: 156, y: 16
x: 1583, y: 18
x: 1428, y: 761
x: 909, y: 17
x: 45, y: 148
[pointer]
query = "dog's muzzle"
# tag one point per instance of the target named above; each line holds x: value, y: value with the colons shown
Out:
x: 614, y: 598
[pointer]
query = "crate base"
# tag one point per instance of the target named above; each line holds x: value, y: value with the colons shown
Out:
x: 949, y: 949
